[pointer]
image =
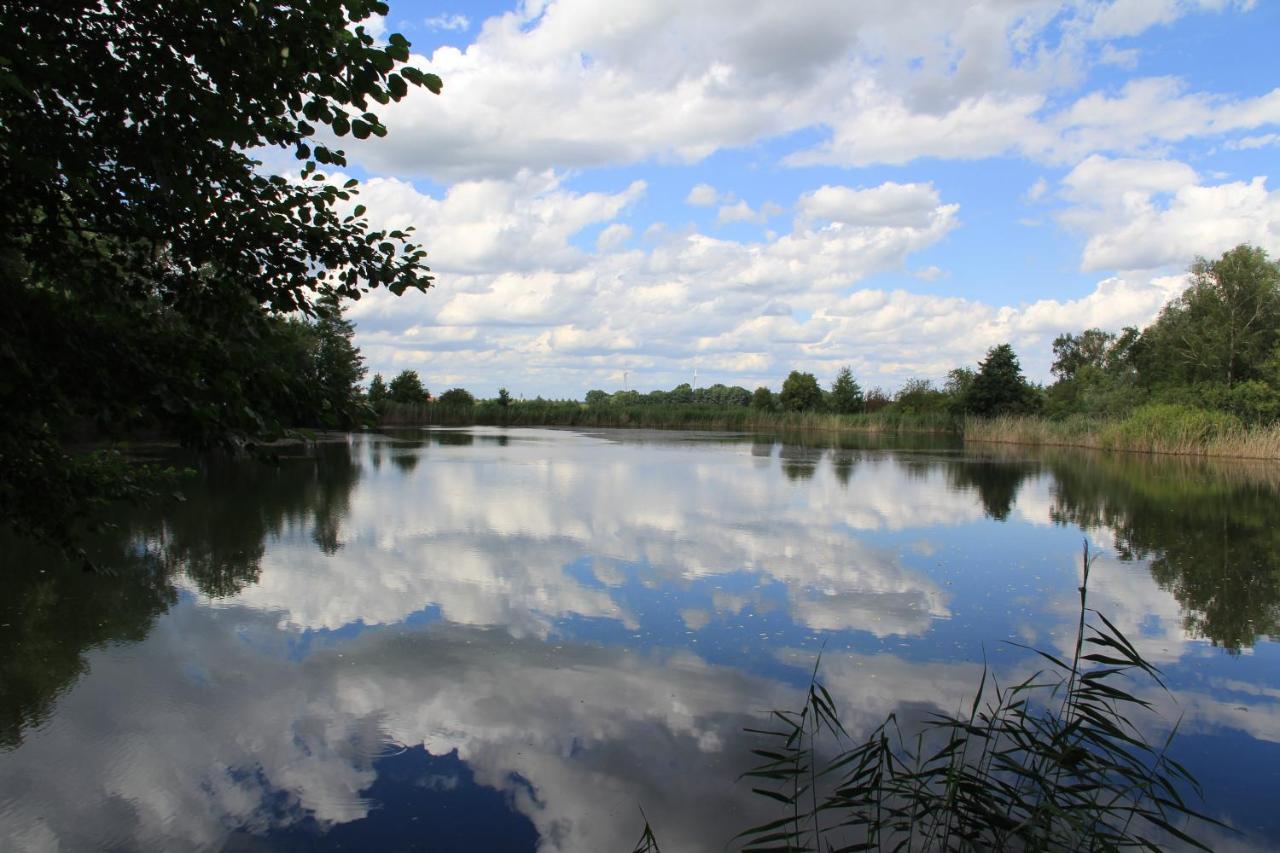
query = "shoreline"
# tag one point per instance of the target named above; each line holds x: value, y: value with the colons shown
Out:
x: 1162, y: 431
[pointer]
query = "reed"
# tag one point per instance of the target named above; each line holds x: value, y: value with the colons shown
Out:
x: 1053, y: 762
x: 1156, y: 428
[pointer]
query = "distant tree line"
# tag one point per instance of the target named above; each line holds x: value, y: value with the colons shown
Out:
x: 1217, y: 347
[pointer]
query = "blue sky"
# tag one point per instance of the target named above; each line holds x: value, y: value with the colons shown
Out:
x: 745, y: 188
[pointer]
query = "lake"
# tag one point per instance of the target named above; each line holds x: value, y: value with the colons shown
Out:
x: 489, y: 639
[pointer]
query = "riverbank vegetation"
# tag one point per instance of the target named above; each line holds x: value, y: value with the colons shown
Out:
x: 1202, y: 379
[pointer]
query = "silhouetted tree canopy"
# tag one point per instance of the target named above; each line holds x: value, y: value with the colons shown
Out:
x: 406, y: 388
x: 145, y: 259
x: 999, y: 388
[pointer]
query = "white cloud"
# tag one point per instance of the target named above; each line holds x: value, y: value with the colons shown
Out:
x: 447, y: 22
x: 875, y: 126
x: 556, y: 87
x: 740, y: 211
x: 702, y: 195
x: 888, y: 205
x: 613, y: 236
x: 517, y: 298
x: 1246, y: 143
x: 565, y: 85
x: 1146, y: 214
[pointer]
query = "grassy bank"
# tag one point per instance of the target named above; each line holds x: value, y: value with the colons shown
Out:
x: 1157, y: 428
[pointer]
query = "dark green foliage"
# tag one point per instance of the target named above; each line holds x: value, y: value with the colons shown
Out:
x: 800, y: 393
x: 846, y: 394
x: 1054, y: 762
x: 145, y: 260
x: 999, y: 388
x: 723, y: 396
x: 1224, y: 327
x: 504, y: 398
x: 339, y: 367
x: 457, y: 397
x: 763, y: 400
x: 1216, y: 346
x: 681, y: 394
x: 919, y: 397
x: 377, y: 391
x: 406, y: 388
x: 1095, y: 372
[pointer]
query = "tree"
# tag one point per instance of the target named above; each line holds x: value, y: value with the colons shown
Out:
x: 763, y: 400
x: 681, y: 395
x: 145, y: 258
x: 1071, y: 353
x: 460, y: 397
x: 377, y: 390
x: 846, y: 395
x: 800, y: 393
x: 504, y: 398
x: 339, y: 367
x: 407, y: 388
x: 1224, y: 326
x: 999, y: 388
x: 597, y: 397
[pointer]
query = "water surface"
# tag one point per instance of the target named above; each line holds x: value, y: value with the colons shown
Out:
x: 515, y: 639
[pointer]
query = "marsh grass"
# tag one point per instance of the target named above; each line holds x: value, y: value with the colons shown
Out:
x: 689, y: 416
x: 1052, y: 762
x: 1158, y: 428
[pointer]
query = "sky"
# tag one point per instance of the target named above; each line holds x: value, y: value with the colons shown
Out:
x: 647, y: 193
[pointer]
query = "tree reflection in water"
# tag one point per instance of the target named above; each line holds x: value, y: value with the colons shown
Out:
x: 53, y: 612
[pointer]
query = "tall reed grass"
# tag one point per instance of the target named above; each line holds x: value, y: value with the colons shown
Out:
x: 1157, y: 428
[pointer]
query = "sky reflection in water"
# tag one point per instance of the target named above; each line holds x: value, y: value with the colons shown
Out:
x: 515, y: 639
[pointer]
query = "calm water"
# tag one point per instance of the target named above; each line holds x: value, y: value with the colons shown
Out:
x: 513, y: 640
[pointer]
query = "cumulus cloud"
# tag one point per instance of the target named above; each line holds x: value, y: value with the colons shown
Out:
x: 890, y: 204
x: 1147, y: 214
x: 547, y: 284
x: 565, y: 84
x: 613, y: 236
x: 878, y: 126
x: 702, y: 195
x: 518, y: 297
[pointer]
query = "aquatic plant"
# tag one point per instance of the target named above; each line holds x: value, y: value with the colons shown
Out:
x: 1053, y: 762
